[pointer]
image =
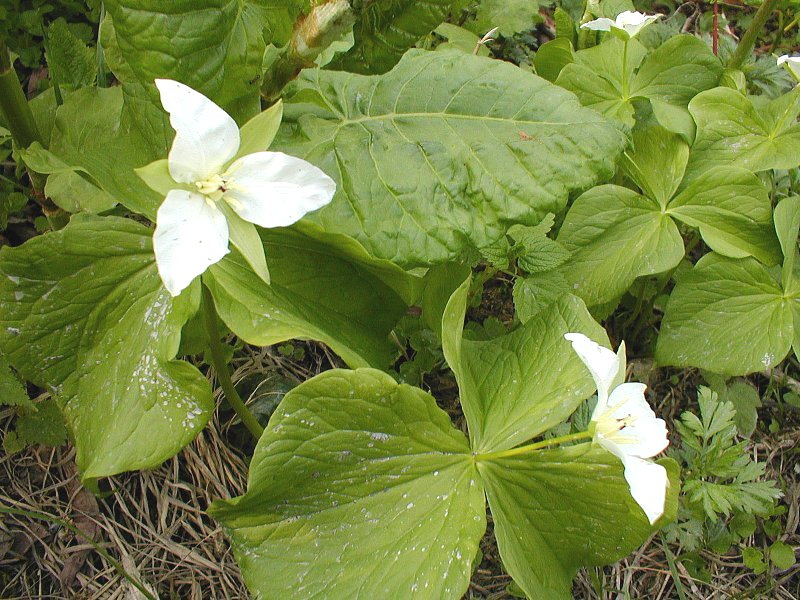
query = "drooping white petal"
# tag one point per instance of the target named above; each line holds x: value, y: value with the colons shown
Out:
x: 190, y: 235
x: 641, y: 433
x: 630, y: 22
x: 601, y: 24
x: 602, y: 363
x: 792, y: 64
x: 206, y: 137
x: 272, y: 189
x: 648, y: 485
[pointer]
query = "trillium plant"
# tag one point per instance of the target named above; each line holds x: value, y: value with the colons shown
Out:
x: 333, y: 171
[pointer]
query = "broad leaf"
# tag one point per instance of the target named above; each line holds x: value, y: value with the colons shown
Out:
x: 359, y: 488
x: 615, y: 236
x: 317, y: 292
x: 606, y: 78
x: 385, y: 30
x: 728, y: 316
x: 511, y: 16
x: 656, y: 162
x: 733, y: 211
x: 88, y: 136
x: 519, y: 385
x: 213, y: 46
x: 444, y: 151
x: 731, y: 131
x: 557, y: 510
x: 787, y: 224
x: 83, y: 312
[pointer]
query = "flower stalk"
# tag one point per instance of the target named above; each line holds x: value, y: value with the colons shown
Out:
x: 221, y: 369
x: 748, y: 41
x: 528, y: 448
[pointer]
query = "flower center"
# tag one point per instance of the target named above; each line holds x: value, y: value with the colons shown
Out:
x: 213, y: 187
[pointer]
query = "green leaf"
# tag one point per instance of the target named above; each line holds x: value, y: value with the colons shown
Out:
x: 44, y: 425
x: 557, y: 510
x: 385, y: 30
x: 597, y: 74
x: 733, y: 211
x: 753, y: 558
x: 731, y: 131
x: 616, y: 235
x: 535, y: 251
x: 552, y: 57
x: 534, y: 293
x: 244, y: 236
x: 83, y: 312
x: 672, y: 74
x: 460, y: 39
x: 89, y: 137
x: 156, y: 176
x: 12, y: 392
x: 782, y: 555
x: 317, y: 292
x: 449, y: 148
x: 677, y: 71
x: 359, y: 488
x: 745, y: 399
x: 511, y: 16
x: 517, y: 386
x: 657, y: 162
x: 728, y: 316
x: 70, y: 61
x: 214, y: 46
x: 787, y: 224
x: 257, y: 134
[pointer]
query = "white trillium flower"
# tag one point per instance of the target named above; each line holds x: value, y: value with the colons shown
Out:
x: 792, y: 64
x: 628, y: 23
x: 270, y: 189
x: 625, y: 425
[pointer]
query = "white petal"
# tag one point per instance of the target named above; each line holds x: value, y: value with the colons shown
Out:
x: 644, y: 435
x: 190, y: 235
x: 272, y: 189
x: 602, y: 363
x: 648, y: 484
x: 601, y: 24
x: 206, y: 137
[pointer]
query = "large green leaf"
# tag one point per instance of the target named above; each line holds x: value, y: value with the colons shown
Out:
x: 732, y: 131
x: 557, y: 510
x: 359, y: 488
x: 83, y: 312
x: 727, y: 315
x: 511, y: 16
x: 615, y: 236
x: 671, y: 75
x: 517, y: 386
x: 213, y: 46
x: 385, y: 30
x: 89, y: 136
x: 444, y: 151
x: 733, y: 211
x: 787, y: 225
x: 318, y: 291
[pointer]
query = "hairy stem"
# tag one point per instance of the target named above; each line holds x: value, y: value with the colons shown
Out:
x: 572, y: 437
x: 221, y: 368
x: 748, y: 41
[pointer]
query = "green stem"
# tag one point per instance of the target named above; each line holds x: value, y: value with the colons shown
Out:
x: 572, y: 437
x: 32, y: 514
x: 625, y: 71
x: 748, y: 41
x: 14, y: 105
x: 221, y: 368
